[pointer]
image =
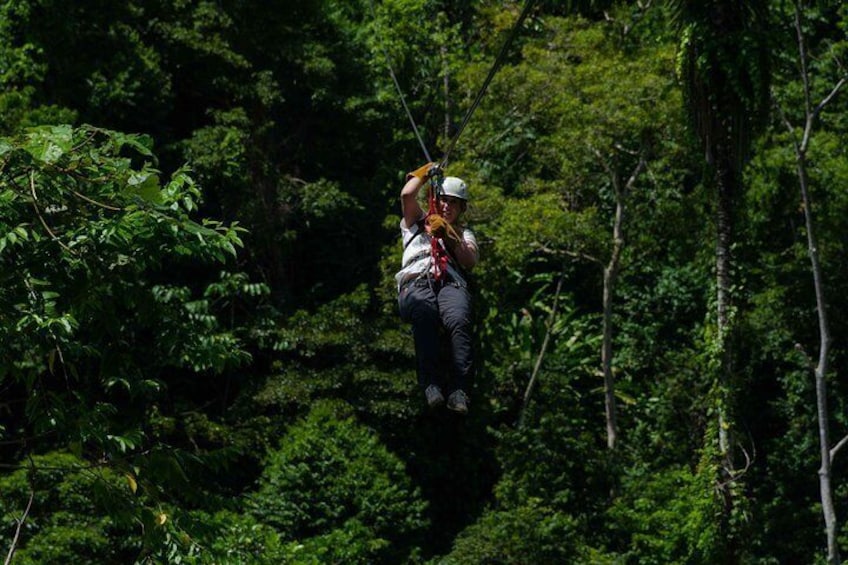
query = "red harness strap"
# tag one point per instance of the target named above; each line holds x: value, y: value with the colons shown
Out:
x: 437, y: 246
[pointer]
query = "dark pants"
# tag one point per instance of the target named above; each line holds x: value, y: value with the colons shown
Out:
x: 429, y: 306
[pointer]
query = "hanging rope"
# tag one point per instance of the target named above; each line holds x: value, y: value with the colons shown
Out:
x: 498, y: 62
x: 399, y: 91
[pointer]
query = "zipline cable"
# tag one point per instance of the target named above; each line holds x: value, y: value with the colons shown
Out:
x: 498, y: 61
x: 400, y: 92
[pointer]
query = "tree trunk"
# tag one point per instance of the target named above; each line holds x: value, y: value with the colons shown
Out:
x: 610, y: 278
x: 820, y: 371
x: 725, y: 180
x: 825, y: 489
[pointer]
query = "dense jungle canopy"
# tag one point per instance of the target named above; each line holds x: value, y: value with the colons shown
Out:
x: 202, y: 357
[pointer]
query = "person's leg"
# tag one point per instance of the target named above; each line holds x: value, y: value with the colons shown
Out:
x: 455, y: 311
x: 418, y: 306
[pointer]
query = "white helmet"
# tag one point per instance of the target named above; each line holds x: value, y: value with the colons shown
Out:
x: 456, y: 187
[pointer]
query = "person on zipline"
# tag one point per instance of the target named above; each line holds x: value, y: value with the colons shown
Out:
x: 432, y: 291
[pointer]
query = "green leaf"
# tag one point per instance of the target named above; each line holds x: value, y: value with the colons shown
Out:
x: 145, y: 185
x: 49, y: 143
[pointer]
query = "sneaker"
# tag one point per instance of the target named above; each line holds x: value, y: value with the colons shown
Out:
x: 458, y: 402
x: 434, y: 396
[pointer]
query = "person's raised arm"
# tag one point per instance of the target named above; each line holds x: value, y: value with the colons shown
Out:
x: 410, y: 208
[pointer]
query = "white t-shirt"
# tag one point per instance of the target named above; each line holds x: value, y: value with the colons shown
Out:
x: 417, y: 257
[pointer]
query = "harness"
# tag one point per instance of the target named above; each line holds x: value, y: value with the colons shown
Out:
x: 438, y: 251
x: 440, y: 257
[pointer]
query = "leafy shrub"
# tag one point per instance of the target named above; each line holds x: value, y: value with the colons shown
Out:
x: 531, y: 533
x: 334, y: 485
x: 74, y: 516
x: 671, y: 516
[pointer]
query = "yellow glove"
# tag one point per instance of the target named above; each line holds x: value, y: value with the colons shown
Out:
x: 422, y: 173
x: 438, y: 225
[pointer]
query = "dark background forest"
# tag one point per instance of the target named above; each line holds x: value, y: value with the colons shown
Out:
x: 202, y: 359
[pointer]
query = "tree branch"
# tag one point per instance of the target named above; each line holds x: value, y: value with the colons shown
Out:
x: 826, y: 100
x: 573, y: 254
x: 736, y: 474
x: 542, y: 351
x: 41, y: 218
x: 789, y: 127
x: 635, y: 174
x: 835, y: 449
x: 20, y: 522
x: 95, y: 202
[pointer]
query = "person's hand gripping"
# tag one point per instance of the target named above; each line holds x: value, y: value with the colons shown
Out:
x: 423, y: 172
x: 441, y: 228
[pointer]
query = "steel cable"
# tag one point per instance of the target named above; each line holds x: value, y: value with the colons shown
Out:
x: 399, y: 91
x: 498, y: 62
x: 492, y: 71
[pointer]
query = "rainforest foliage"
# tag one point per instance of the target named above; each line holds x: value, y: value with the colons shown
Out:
x: 202, y: 360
